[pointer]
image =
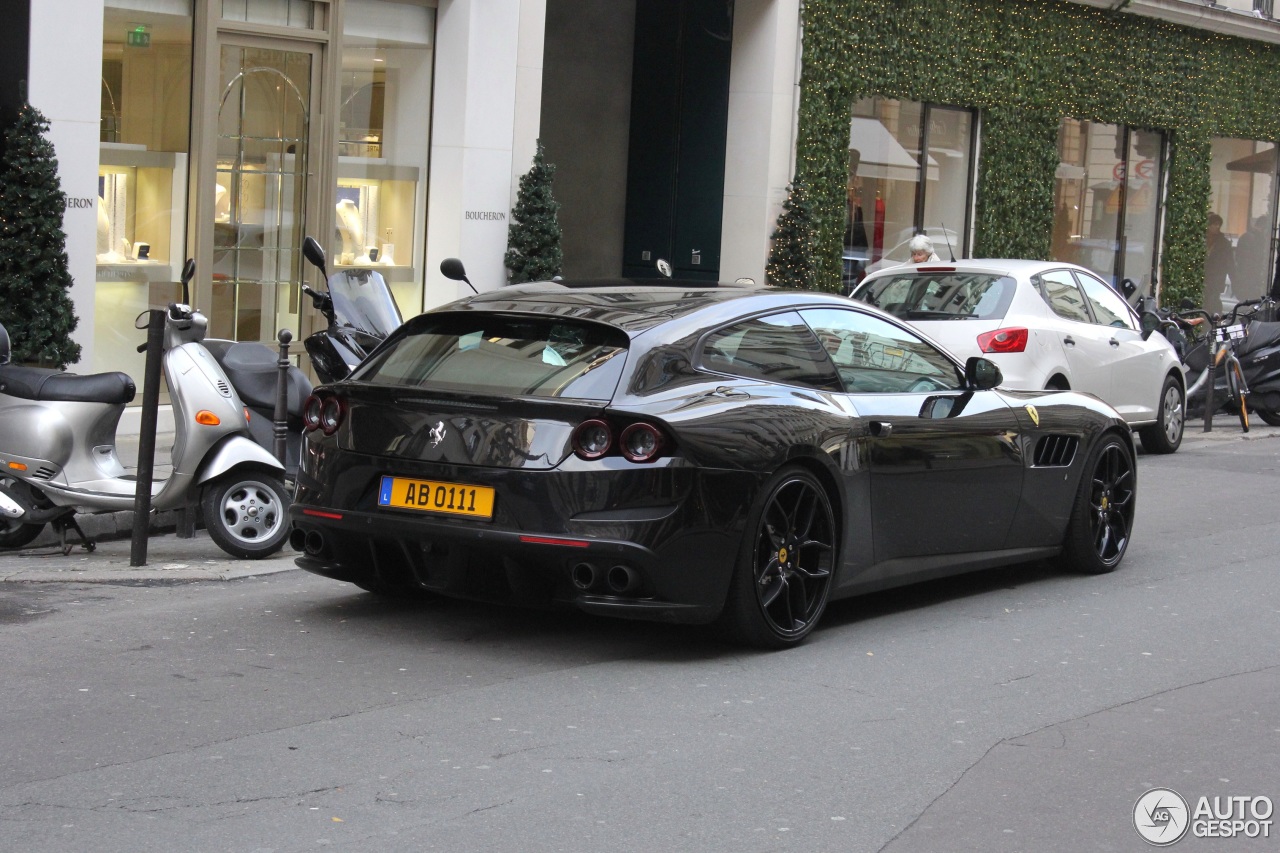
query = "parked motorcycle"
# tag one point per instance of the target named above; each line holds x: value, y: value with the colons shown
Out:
x: 58, y: 447
x: 360, y: 311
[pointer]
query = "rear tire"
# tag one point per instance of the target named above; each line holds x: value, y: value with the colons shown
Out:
x: 1236, y: 393
x: 1165, y: 435
x: 1269, y: 418
x: 247, y: 513
x: 781, y: 584
x: 1102, y: 517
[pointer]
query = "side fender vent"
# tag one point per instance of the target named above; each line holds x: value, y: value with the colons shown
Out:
x: 45, y: 473
x: 1055, y: 451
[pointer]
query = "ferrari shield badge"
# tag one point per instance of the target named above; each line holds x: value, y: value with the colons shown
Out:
x: 1035, y: 416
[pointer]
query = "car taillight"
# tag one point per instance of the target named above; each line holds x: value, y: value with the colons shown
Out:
x: 311, y: 413
x: 592, y: 439
x: 332, y: 411
x: 1003, y: 340
x: 636, y: 442
x: 641, y: 442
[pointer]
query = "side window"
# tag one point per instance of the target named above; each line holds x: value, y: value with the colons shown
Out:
x: 1060, y: 290
x: 874, y: 356
x: 779, y: 348
x: 1109, y: 307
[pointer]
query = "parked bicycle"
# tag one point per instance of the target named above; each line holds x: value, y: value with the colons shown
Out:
x: 1211, y: 345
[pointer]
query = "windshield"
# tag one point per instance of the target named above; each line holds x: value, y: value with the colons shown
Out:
x: 362, y: 300
x: 499, y: 355
x: 915, y: 294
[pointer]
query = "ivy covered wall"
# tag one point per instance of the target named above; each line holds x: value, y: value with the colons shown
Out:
x: 1026, y: 64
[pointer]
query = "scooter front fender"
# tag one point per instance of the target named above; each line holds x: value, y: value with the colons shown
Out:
x: 231, y: 452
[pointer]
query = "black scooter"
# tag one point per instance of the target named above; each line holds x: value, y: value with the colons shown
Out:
x: 360, y: 312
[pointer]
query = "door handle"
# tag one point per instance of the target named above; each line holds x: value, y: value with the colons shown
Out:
x: 880, y: 429
x: 1069, y: 341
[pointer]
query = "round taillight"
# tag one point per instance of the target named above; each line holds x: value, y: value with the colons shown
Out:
x: 331, y: 412
x: 641, y: 442
x: 592, y: 439
x: 311, y: 413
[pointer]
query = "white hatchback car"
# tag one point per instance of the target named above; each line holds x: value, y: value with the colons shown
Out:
x: 1048, y: 325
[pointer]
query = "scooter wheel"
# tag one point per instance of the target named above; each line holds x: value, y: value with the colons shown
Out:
x: 13, y: 533
x: 247, y: 513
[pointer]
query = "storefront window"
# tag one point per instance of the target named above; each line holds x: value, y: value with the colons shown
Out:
x: 383, y: 132
x: 142, y: 171
x: 1241, y: 225
x: 1107, y: 201
x: 895, y: 193
x: 279, y: 13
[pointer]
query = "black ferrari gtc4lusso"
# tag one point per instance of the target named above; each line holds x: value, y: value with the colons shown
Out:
x: 692, y: 452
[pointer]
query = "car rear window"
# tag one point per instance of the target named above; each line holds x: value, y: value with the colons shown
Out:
x: 916, y: 294
x: 502, y: 355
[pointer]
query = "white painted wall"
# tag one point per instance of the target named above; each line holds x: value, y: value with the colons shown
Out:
x: 485, y: 123
x: 760, y: 152
x: 63, y: 83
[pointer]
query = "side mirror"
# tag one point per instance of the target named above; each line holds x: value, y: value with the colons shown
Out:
x: 452, y: 268
x: 4, y: 345
x: 1150, y: 322
x: 981, y: 374
x: 1128, y: 288
x: 664, y: 267
x: 312, y: 251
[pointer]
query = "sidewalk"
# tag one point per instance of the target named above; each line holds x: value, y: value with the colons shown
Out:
x: 170, y: 559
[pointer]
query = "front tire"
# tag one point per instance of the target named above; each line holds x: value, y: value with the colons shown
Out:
x: 1269, y: 418
x: 246, y: 513
x: 1165, y: 435
x: 1102, y: 517
x: 1236, y: 393
x: 782, y: 582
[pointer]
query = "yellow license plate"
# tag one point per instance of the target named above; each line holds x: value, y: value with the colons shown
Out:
x: 433, y: 496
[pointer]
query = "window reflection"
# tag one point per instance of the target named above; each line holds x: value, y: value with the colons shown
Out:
x: 894, y: 192
x: 1106, y: 210
x: 1239, y: 234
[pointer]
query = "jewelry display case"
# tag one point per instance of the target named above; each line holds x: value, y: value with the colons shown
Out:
x: 141, y: 199
x: 374, y: 218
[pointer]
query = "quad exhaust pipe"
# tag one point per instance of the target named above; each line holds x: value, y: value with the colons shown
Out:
x: 619, y: 580
x: 309, y: 541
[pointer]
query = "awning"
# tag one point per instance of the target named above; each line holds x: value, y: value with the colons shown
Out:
x: 882, y: 156
x: 1263, y: 161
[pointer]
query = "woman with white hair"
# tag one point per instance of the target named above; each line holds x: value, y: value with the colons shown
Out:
x: 922, y: 251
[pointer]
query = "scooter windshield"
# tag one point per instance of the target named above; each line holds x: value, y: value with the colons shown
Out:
x: 362, y: 301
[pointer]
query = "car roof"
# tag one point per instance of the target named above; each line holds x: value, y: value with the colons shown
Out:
x: 637, y: 305
x: 1003, y: 266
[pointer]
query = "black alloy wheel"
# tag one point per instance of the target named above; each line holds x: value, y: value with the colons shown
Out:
x: 1102, y: 518
x: 782, y: 584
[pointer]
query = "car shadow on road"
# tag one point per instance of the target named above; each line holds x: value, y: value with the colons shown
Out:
x: 505, y: 628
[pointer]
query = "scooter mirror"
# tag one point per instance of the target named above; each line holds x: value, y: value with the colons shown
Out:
x: 188, y: 273
x: 312, y: 251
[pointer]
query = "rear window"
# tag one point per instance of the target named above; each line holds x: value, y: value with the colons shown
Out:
x: 498, y: 355
x: 914, y: 294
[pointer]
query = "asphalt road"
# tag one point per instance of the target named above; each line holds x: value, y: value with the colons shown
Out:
x: 1016, y: 710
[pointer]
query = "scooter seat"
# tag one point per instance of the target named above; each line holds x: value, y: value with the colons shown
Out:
x: 253, y: 370
x: 47, y: 385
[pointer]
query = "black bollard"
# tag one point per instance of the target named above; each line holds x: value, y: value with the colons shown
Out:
x: 147, y: 439
x: 281, y: 414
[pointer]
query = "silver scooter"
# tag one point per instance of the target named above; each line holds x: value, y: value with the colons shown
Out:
x: 58, y: 447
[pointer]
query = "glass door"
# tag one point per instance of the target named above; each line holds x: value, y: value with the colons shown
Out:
x: 265, y: 148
